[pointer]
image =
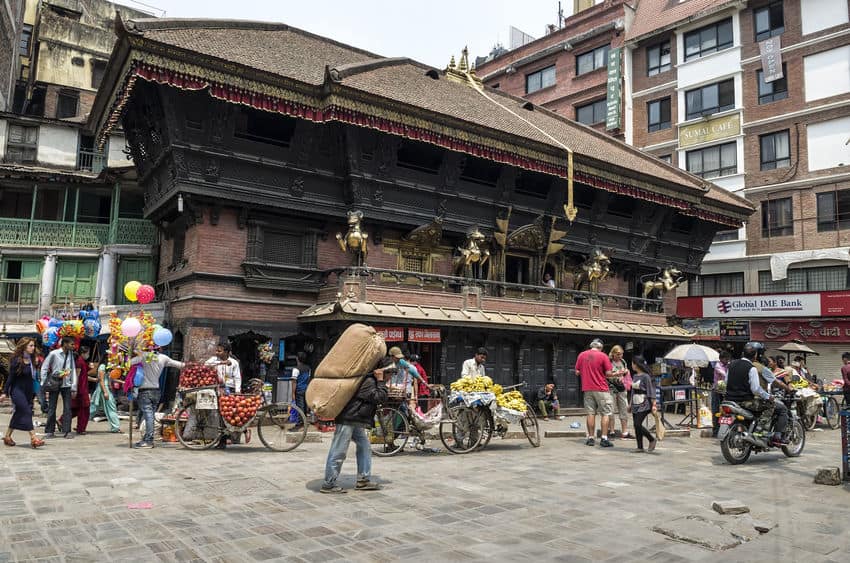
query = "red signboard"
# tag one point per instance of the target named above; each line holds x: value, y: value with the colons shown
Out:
x: 810, y: 305
x: 806, y: 330
x: 423, y: 334
x: 391, y: 333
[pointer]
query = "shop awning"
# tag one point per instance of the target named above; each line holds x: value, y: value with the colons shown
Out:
x: 369, y: 312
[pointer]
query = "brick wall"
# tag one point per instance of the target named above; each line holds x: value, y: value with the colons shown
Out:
x: 640, y: 80
x: 642, y: 137
x: 793, y: 27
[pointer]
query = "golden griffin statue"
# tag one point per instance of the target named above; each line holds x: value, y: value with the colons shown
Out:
x: 471, y: 253
x: 595, y: 269
x: 354, y: 241
x: 669, y: 280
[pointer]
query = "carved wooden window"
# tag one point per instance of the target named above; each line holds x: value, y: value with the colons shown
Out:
x: 481, y: 171
x: 282, y: 248
x: 420, y: 156
x: 178, y: 245
x: 414, y: 263
x: 264, y: 127
x: 21, y: 144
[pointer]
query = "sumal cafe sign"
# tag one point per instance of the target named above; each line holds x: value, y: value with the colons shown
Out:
x: 711, y: 130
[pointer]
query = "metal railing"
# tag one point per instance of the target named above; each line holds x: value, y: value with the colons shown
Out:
x: 19, y: 301
x: 453, y: 284
x: 23, y: 232
x: 91, y: 161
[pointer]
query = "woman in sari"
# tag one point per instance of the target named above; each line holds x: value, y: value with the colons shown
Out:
x: 102, y: 398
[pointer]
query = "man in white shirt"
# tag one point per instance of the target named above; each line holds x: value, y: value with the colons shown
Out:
x: 62, y: 364
x: 227, y: 368
x: 475, y: 366
x: 149, y: 391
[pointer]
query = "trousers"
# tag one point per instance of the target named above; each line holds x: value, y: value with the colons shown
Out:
x: 52, y: 404
x: 343, y: 435
x: 640, y: 430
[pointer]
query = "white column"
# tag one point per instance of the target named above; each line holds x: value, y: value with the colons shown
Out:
x: 107, y: 281
x: 98, y: 286
x: 48, y: 281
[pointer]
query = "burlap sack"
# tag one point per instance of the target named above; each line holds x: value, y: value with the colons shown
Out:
x: 356, y: 352
x: 327, y: 397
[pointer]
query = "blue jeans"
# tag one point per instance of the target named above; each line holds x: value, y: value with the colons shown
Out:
x: 343, y: 435
x: 148, y: 401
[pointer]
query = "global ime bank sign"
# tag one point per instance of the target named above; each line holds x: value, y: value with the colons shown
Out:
x: 823, y: 304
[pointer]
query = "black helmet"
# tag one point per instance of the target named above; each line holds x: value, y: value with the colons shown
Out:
x: 753, y: 350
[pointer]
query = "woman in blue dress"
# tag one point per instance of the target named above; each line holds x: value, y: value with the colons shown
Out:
x: 20, y: 388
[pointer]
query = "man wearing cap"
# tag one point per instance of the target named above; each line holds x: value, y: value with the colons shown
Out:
x: 594, y: 367
x: 405, y: 375
x: 474, y: 367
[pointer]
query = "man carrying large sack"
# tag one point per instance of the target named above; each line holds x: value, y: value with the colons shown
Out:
x: 354, y: 423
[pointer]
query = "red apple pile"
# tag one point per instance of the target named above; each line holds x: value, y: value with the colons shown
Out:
x: 197, y: 375
x: 238, y: 410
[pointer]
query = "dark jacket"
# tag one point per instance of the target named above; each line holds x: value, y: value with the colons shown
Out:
x: 361, y: 408
x: 738, y: 381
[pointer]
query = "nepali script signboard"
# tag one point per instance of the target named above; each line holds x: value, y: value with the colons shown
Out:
x: 612, y: 101
x: 771, y: 59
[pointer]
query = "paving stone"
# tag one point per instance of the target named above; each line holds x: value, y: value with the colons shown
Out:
x: 699, y: 532
x: 730, y: 507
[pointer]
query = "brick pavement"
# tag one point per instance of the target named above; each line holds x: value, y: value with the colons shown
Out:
x: 561, y: 502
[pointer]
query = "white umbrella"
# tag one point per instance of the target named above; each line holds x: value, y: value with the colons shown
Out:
x: 693, y: 355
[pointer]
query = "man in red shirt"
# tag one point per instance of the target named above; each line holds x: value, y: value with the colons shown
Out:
x: 593, y: 366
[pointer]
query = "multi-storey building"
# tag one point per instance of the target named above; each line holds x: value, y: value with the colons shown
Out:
x: 11, y: 26
x: 468, y: 196
x: 755, y: 96
x: 574, y: 70
x: 71, y: 227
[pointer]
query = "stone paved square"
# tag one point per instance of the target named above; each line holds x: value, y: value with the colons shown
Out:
x: 511, y: 502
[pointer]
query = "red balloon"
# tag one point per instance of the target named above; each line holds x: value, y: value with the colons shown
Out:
x: 145, y: 294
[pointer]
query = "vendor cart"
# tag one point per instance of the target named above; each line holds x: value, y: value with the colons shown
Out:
x: 207, y: 415
x: 497, y: 418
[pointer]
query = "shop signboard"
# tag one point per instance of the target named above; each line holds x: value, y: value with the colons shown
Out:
x: 702, y: 329
x: 614, y: 95
x: 391, y: 333
x: 806, y: 330
x: 734, y: 329
x: 768, y: 305
x: 711, y: 130
x: 423, y: 334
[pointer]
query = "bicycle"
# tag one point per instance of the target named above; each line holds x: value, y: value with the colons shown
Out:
x: 199, y: 426
x: 461, y: 428
x: 528, y: 423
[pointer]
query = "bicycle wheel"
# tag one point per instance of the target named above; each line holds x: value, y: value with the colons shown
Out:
x: 831, y: 412
x: 530, y: 426
x: 200, y: 433
x: 489, y: 426
x: 389, y: 433
x: 279, y: 430
x: 463, y: 432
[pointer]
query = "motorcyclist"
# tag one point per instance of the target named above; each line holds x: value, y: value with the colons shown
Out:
x: 743, y: 387
x: 769, y: 379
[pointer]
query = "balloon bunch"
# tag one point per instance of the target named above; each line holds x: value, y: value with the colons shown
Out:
x: 137, y: 292
x: 132, y: 334
x: 52, y: 330
x: 91, y: 322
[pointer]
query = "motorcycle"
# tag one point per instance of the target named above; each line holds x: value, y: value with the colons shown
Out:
x: 740, y: 436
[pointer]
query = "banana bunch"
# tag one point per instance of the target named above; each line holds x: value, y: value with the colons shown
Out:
x: 511, y: 400
x: 473, y: 384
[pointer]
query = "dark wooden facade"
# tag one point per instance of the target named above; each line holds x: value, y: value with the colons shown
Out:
x: 249, y: 202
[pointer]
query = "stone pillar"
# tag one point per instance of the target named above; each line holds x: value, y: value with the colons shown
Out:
x: 48, y: 281
x: 98, y: 286
x: 108, y: 273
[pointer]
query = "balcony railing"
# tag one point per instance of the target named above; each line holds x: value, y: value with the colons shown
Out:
x: 452, y: 284
x: 91, y: 161
x: 23, y: 232
x: 19, y: 301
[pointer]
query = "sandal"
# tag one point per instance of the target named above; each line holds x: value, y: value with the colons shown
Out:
x: 36, y: 443
x: 8, y: 441
x: 628, y: 435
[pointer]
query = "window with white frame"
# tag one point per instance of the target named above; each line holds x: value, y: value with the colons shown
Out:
x: 827, y: 143
x: 825, y: 278
x: 822, y: 14
x: 717, y: 284
x: 709, y: 39
x: 714, y: 161
x: 543, y: 78
x: 827, y: 73
x: 775, y: 150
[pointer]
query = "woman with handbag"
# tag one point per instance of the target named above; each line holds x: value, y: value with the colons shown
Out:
x: 642, y: 402
x: 620, y: 383
x: 19, y: 387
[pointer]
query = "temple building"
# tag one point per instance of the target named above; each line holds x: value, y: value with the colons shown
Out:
x: 300, y: 184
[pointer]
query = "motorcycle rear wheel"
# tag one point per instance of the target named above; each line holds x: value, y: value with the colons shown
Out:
x: 797, y: 440
x: 734, y: 448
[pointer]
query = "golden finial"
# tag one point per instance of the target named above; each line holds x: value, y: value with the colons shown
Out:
x: 452, y: 64
x: 463, y: 66
x: 461, y: 71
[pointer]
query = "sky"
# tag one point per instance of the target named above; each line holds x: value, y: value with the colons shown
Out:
x: 429, y: 31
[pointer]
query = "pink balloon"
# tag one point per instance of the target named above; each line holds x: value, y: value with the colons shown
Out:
x: 131, y: 327
x: 145, y: 294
